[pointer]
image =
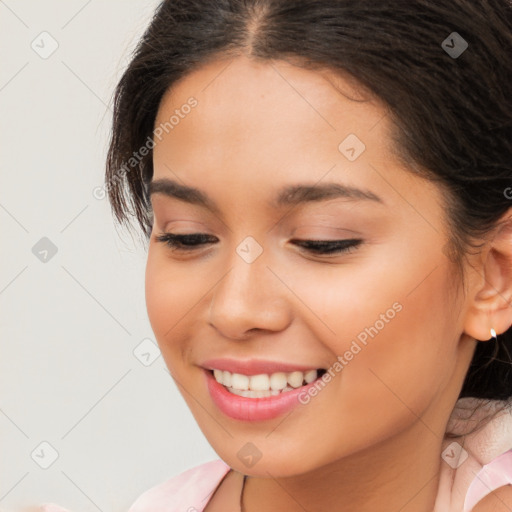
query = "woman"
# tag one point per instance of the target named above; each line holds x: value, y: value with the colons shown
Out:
x: 325, y: 189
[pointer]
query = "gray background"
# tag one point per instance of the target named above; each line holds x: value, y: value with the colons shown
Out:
x: 73, y: 373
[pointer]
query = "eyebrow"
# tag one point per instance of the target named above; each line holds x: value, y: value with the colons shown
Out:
x: 290, y: 195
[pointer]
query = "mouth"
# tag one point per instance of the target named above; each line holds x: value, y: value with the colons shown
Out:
x: 260, y: 396
x: 265, y: 385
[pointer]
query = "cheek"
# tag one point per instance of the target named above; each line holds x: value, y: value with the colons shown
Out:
x: 396, y: 368
x: 157, y: 297
x: 406, y: 362
x: 395, y: 336
x: 169, y: 298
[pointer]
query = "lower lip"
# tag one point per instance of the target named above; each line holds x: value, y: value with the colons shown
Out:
x: 253, y: 409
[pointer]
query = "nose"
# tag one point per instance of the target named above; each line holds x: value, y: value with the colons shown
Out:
x: 249, y: 298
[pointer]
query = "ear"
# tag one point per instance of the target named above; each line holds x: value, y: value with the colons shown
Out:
x: 491, y: 289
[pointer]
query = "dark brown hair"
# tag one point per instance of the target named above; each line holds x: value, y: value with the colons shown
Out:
x: 452, y: 114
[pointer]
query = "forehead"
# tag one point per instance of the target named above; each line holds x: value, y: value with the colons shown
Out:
x: 268, y: 110
x: 259, y: 126
x: 321, y: 96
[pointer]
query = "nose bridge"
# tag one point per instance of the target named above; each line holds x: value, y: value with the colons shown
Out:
x: 244, y: 282
x: 245, y: 298
x: 248, y: 261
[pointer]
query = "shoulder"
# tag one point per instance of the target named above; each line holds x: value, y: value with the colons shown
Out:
x: 491, y: 489
x: 500, y: 500
x: 185, y: 491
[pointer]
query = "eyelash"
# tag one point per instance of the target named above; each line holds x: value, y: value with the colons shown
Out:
x: 190, y: 242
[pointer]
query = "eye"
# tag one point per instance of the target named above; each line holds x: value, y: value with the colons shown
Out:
x: 192, y: 241
x: 329, y: 246
x: 187, y: 242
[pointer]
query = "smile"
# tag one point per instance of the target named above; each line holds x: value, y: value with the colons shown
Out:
x: 265, y: 385
x: 264, y: 403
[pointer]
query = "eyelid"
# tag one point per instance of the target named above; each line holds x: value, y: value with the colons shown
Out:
x: 186, y: 224
x: 324, y: 249
x: 189, y: 218
x: 339, y: 231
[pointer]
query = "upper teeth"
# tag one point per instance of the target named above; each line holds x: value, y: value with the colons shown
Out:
x: 264, y: 382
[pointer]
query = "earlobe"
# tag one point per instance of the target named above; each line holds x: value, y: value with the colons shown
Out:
x: 491, y: 295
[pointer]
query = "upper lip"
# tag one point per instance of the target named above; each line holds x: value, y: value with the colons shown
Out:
x: 254, y: 366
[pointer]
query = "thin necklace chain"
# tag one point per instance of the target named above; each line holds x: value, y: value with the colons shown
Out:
x: 242, y: 508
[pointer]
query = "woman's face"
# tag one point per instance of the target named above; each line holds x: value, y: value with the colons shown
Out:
x: 382, y: 317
